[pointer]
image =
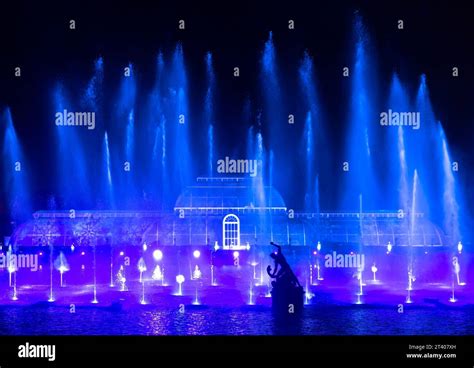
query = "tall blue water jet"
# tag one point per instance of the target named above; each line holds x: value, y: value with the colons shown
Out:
x: 259, y: 178
x: 412, y: 230
x: 153, y: 180
x: 125, y: 184
x: 306, y: 78
x: 314, y: 136
x: 156, y: 103
x: 109, y: 189
x: 92, y: 101
x: 317, y: 202
x: 159, y: 161
x: 413, y: 203
x: 127, y: 93
x: 155, y: 174
x: 130, y: 165
x: 163, y: 143
x: 93, y: 93
x: 421, y: 145
x: 271, y: 86
x: 398, y: 171
x: 129, y: 141
x: 423, y: 105
x: 72, y: 163
x: 15, y: 178
x: 210, y: 159
x: 257, y: 195
x: 271, y: 171
x: 156, y: 152
x: 359, y: 175
x: 247, y: 116
x: 307, y: 84
x: 250, y: 151
x: 309, y: 162
x: 256, y: 151
x: 164, y: 181
x: 403, y: 179
x: 418, y: 207
x: 179, y: 122
x: 209, y: 112
x: 251, y: 142
x: 273, y: 105
x: 450, y: 200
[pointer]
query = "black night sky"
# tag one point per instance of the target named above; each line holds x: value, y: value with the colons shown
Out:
x: 437, y: 37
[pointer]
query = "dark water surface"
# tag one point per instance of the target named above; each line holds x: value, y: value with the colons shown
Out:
x: 248, y: 320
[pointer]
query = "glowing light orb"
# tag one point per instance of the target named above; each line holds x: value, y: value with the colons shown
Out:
x: 158, y: 255
x: 122, y: 253
x: 196, y: 254
x: 459, y: 247
x: 145, y: 247
x: 63, y: 268
x: 180, y: 279
x: 236, y: 254
x: 318, y: 247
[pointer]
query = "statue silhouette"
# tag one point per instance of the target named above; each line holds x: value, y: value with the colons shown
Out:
x: 287, y: 292
x: 282, y: 271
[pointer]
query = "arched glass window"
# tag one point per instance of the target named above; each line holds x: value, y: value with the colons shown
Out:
x: 231, y: 232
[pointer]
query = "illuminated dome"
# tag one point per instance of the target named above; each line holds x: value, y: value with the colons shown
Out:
x: 235, y: 193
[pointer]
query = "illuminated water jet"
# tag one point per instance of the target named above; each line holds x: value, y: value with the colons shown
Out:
x: 180, y: 279
x: 62, y: 266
